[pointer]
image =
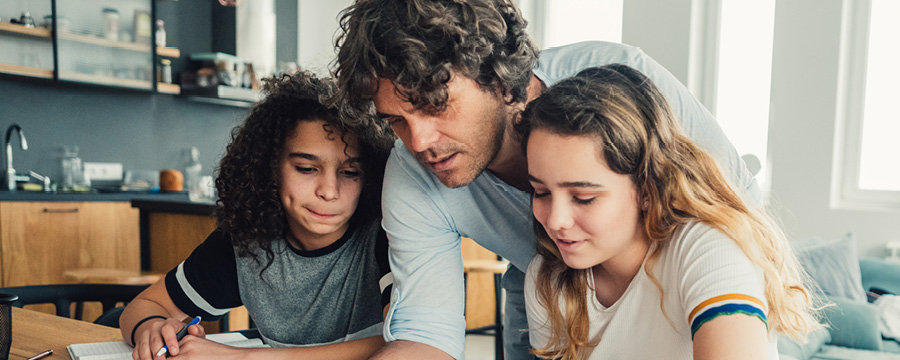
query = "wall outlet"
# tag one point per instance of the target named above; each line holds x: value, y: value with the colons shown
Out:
x: 103, y: 171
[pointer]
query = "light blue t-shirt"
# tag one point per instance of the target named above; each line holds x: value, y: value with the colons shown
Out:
x: 425, y: 220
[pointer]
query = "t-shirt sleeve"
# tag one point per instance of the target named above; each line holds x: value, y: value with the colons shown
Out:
x: 385, y: 278
x: 717, y: 278
x: 427, y: 299
x: 205, y: 284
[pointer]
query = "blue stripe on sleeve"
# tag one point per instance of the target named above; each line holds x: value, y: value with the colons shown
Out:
x: 727, y: 309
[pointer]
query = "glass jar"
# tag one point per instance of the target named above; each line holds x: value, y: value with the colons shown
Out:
x: 73, y: 177
x: 160, y: 33
x: 165, y: 71
x: 192, y: 179
x: 111, y: 24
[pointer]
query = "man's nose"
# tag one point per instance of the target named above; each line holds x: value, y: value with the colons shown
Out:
x: 422, y: 133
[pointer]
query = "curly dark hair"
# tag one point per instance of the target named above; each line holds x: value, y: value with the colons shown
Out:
x: 248, y: 177
x: 417, y: 43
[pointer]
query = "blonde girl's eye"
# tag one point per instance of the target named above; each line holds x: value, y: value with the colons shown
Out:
x: 540, y: 194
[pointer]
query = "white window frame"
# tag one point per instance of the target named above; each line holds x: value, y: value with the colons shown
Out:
x: 845, y: 191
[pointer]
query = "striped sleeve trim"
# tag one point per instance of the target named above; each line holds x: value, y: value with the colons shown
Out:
x: 195, y: 296
x: 726, y: 305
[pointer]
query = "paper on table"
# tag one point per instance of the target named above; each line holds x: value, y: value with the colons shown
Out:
x: 118, y: 350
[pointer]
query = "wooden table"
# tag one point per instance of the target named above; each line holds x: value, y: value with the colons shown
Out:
x: 35, y: 332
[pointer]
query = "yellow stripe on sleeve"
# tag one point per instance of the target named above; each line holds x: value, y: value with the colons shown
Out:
x: 723, y: 298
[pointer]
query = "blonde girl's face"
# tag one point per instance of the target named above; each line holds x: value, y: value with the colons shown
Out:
x: 590, y: 212
x: 321, y: 181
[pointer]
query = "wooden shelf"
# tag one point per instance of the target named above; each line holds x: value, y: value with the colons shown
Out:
x: 26, y: 71
x: 168, y: 51
x: 22, y: 30
x: 106, y: 80
x: 86, y: 39
x: 164, y: 88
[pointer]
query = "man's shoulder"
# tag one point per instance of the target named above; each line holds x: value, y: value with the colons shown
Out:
x: 561, y: 62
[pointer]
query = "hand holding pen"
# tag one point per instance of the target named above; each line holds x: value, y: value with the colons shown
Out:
x: 159, y: 336
x: 178, y: 336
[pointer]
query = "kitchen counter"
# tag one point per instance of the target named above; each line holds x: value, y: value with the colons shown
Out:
x: 90, y: 196
x: 173, y: 205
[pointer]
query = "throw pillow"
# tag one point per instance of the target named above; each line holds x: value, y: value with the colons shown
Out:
x: 833, y: 265
x: 853, y: 324
x: 790, y: 349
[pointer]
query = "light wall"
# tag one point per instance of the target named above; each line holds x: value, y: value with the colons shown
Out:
x: 318, y: 25
x: 803, y: 111
x: 803, y: 120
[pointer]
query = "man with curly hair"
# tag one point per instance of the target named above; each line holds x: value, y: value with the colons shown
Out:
x: 451, y: 77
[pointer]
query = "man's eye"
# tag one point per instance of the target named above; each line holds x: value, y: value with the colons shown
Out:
x: 305, y: 170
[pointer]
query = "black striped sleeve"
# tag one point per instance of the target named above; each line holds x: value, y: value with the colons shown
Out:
x: 205, y: 284
x: 386, y: 279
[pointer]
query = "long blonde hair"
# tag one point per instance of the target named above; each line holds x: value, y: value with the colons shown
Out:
x: 640, y: 136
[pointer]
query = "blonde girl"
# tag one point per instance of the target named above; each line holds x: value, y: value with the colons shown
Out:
x: 644, y: 249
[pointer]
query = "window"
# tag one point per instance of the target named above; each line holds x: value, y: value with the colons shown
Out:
x: 869, y: 172
x: 743, y: 81
x: 559, y: 22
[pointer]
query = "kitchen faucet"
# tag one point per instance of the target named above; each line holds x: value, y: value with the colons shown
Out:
x: 10, y: 172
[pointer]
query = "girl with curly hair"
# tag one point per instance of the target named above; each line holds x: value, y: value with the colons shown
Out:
x: 644, y: 249
x: 299, y: 241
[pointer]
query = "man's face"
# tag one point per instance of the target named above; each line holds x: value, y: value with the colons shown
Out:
x: 456, y: 144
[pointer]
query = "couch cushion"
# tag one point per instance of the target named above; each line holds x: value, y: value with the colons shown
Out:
x: 853, y: 324
x: 790, y: 349
x: 833, y: 265
x: 836, y: 352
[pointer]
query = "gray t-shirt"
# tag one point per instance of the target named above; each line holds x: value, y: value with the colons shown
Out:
x: 303, y: 298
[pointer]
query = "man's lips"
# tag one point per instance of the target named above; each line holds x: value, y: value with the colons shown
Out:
x: 442, y: 164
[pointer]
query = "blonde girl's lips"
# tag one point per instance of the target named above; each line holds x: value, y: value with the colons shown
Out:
x: 443, y: 164
x: 567, y: 245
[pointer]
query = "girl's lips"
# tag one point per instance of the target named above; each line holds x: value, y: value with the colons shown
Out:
x: 568, y: 245
x: 320, y: 214
x: 443, y: 164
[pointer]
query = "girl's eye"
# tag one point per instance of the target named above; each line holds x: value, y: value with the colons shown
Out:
x: 305, y: 170
x: 351, y: 173
x: 581, y: 201
x: 540, y: 194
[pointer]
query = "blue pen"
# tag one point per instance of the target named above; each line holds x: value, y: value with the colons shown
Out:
x: 179, y: 335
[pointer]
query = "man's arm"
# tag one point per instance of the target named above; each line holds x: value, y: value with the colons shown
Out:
x: 428, y: 296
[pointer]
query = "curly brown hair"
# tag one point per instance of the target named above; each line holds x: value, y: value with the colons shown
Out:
x: 417, y: 43
x: 248, y: 177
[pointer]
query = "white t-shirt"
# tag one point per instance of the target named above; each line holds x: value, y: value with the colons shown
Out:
x: 703, y: 274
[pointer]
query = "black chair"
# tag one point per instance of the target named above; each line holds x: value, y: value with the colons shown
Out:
x: 63, y: 295
x: 497, y: 268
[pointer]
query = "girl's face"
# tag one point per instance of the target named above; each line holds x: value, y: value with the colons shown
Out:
x: 589, y: 211
x: 321, y: 180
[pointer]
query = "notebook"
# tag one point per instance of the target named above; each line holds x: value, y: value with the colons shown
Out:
x: 118, y: 350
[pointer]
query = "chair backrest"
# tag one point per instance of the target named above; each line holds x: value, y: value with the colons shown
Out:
x: 63, y: 295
